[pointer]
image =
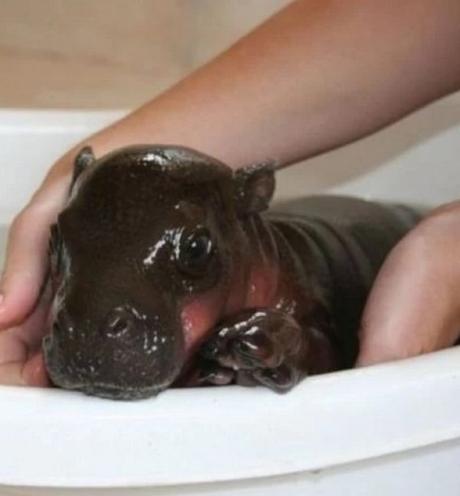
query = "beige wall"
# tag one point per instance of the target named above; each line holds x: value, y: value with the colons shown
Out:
x: 112, y: 53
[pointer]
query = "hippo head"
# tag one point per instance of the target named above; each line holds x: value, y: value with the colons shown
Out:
x: 143, y: 261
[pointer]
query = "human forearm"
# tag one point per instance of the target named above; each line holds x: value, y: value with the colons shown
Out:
x: 315, y: 76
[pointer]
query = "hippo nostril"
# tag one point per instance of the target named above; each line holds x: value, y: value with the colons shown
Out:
x: 117, y: 327
x: 119, y: 322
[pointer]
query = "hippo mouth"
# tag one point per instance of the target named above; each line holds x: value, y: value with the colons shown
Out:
x: 117, y: 392
x: 108, y: 391
x: 89, y: 384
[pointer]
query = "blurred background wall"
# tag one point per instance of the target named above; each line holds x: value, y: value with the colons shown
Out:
x: 112, y: 53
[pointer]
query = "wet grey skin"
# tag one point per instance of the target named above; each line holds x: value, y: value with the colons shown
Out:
x: 149, y: 230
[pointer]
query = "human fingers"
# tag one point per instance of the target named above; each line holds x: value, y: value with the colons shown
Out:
x: 26, y: 256
x: 21, y: 359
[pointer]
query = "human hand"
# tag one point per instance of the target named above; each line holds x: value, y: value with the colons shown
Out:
x: 25, y: 298
x: 414, y: 306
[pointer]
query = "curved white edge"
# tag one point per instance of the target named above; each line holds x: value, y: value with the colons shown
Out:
x: 65, y: 439
x: 55, y: 122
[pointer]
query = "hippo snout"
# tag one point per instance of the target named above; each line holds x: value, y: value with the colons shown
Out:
x: 122, y: 357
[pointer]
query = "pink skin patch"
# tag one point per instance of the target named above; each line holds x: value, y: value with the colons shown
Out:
x: 262, y: 287
x: 201, y: 314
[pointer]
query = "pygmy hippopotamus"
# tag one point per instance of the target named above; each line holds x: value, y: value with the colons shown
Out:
x: 167, y: 269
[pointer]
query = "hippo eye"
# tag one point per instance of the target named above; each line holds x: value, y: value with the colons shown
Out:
x: 195, y: 252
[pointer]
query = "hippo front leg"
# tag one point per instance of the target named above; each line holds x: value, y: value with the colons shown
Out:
x: 264, y: 346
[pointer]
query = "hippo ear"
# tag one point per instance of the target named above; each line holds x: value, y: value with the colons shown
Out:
x: 84, y: 158
x: 255, y: 186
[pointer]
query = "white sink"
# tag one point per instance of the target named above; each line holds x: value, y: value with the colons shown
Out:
x: 389, y: 429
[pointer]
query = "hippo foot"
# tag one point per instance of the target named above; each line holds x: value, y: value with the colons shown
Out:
x: 258, y: 346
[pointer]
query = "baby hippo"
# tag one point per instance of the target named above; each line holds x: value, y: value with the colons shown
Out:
x: 166, y: 269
